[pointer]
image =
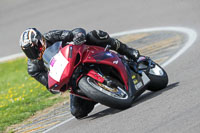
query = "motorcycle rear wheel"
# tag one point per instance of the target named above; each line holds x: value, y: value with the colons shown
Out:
x: 158, y: 77
x: 113, y: 97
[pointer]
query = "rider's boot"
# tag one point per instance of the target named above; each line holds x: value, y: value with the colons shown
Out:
x: 80, y: 107
x: 123, y: 49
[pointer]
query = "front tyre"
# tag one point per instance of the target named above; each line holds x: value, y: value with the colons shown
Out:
x: 158, y: 77
x: 116, y: 97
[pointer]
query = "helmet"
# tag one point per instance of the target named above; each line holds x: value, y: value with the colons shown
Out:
x: 32, y: 43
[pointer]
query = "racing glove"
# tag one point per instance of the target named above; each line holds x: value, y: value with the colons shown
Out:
x: 79, y: 38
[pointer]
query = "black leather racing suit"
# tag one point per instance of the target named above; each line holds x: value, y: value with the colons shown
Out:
x: 79, y: 107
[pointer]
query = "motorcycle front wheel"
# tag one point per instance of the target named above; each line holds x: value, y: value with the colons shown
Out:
x: 114, y: 97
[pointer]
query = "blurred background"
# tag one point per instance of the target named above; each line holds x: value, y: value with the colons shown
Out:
x: 108, y: 15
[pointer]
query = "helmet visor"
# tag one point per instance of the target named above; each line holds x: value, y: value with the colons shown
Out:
x: 31, y: 51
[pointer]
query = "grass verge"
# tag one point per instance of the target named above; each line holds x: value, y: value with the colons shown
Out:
x: 20, y: 95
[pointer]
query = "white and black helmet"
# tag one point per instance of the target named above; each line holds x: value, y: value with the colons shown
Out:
x: 32, y: 43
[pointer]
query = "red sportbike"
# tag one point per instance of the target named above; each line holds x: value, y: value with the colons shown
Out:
x: 101, y: 75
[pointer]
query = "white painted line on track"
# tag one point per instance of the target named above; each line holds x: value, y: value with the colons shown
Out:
x: 11, y: 57
x: 192, y: 35
x: 59, y: 124
x: 64, y: 122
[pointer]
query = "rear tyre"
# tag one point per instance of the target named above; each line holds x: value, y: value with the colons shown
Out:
x: 158, y: 77
x: 113, y: 97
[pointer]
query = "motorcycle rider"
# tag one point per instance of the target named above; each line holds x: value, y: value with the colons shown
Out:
x: 33, y: 44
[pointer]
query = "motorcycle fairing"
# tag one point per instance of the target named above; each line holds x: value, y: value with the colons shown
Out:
x: 97, y: 55
x: 102, y: 56
x: 88, y: 54
x: 70, y: 53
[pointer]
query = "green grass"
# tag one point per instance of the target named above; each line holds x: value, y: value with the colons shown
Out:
x: 20, y: 95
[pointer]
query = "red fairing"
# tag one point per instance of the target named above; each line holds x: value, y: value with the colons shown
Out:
x: 97, y: 55
x: 69, y: 52
x: 88, y: 54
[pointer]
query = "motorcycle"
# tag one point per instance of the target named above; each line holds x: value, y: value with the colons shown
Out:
x: 99, y: 74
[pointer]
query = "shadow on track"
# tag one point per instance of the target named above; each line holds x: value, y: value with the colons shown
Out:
x: 142, y: 98
x: 150, y: 95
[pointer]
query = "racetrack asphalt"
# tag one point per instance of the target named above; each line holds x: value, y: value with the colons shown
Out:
x: 175, y: 109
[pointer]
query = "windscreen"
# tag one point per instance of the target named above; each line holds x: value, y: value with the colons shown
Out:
x: 51, y: 52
